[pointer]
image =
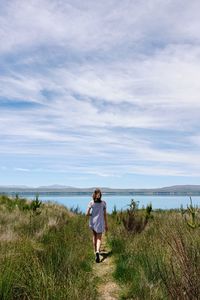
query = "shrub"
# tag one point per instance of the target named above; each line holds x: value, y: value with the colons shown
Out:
x: 134, y: 221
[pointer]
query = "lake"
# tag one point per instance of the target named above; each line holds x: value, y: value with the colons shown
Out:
x: 121, y: 202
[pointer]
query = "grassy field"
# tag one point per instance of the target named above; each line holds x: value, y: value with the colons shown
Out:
x: 45, y: 252
x: 157, y: 253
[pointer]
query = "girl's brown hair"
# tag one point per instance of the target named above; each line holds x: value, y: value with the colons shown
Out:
x: 96, y: 191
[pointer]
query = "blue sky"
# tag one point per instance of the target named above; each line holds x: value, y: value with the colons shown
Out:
x: 99, y: 93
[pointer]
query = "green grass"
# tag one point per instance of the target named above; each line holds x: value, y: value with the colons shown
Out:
x: 44, y: 253
x: 161, y: 262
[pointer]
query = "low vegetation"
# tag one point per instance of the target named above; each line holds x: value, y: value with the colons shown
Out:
x: 45, y: 251
x: 157, y: 257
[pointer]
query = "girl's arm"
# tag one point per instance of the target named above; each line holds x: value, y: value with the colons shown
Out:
x: 105, y: 219
x: 88, y: 211
x: 89, y: 208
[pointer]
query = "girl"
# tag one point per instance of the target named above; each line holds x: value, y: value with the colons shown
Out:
x: 97, y: 221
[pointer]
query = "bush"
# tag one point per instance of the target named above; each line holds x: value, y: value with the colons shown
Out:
x: 134, y: 221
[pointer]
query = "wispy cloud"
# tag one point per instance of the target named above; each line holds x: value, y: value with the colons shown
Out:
x: 21, y: 169
x: 102, y: 88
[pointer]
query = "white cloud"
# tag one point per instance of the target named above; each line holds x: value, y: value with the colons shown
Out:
x: 21, y: 170
x: 110, y: 81
x: 92, y: 26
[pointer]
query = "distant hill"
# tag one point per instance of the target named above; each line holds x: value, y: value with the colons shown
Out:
x: 181, y: 188
x: 55, y: 186
x: 62, y: 189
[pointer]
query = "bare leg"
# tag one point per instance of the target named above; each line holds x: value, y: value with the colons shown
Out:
x: 98, y: 243
x: 94, y: 240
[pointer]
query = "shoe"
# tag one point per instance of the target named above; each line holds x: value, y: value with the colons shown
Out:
x: 97, y: 259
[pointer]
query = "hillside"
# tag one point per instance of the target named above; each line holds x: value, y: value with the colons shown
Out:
x: 61, y: 189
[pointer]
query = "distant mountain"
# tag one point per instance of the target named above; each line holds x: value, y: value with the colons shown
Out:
x: 15, y: 186
x: 55, y: 186
x: 58, y: 189
x: 182, y: 188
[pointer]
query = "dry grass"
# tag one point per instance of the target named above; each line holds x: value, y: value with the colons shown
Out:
x: 45, y: 253
x: 161, y: 262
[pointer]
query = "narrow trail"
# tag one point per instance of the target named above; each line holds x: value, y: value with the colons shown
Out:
x: 108, y: 289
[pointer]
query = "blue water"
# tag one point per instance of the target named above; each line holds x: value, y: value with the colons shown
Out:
x: 122, y: 202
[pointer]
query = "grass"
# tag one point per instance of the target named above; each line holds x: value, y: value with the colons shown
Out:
x: 45, y: 252
x: 160, y: 262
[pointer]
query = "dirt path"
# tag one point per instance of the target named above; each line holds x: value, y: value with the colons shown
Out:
x: 107, y: 288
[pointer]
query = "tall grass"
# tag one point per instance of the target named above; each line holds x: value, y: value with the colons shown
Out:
x: 161, y: 262
x: 44, y: 255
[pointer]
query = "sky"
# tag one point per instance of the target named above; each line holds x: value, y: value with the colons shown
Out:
x: 100, y: 93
